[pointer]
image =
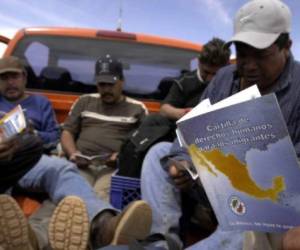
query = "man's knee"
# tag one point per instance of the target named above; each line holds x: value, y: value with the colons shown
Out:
x: 55, y: 167
x: 159, y: 150
x: 152, y: 164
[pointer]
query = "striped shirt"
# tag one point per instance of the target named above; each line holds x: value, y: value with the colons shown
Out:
x: 99, y: 127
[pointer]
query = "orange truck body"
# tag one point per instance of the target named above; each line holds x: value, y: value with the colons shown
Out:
x: 170, y: 53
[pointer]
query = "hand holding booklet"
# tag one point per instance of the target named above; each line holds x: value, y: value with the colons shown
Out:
x: 246, y: 161
x: 12, y: 123
x: 184, y: 168
x: 101, y: 157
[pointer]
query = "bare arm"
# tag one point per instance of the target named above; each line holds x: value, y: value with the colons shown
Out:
x: 68, y: 143
x: 173, y: 113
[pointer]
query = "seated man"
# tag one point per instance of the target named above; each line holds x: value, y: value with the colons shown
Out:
x: 98, y: 124
x: 38, y: 110
x: 185, y: 92
x: 263, y: 58
x: 183, y: 95
x: 77, y: 204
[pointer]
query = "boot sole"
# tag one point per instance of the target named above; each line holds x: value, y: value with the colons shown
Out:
x: 14, y: 234
x: 135, y: 223
x: 69, y: 225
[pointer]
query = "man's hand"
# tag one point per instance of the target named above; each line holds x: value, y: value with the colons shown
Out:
x: 112, y: 161
x: 82, y: 163
x: 291, y: 239
x: 30, y: 128
x: 186, y: 110
x: 7, y: 149
x: 180, y: 176
x: 79, y: 161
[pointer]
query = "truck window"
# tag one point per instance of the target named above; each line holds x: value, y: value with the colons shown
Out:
x: 66, y: 64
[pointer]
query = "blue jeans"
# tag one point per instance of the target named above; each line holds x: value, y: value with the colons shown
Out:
x: 158, y: 190
x: 164, y: 199
x: 60, y: 178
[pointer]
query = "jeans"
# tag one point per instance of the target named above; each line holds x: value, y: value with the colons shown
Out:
x: 39, y: 222
x: 164, y: 198
x: 99, y: 177
x: 60, y: 178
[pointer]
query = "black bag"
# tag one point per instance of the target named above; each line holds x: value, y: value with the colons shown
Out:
x: 134, y: 149
x: 29, y: 151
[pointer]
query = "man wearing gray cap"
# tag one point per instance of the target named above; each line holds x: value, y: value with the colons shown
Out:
x: 38, y: 109
x: 262, y: 42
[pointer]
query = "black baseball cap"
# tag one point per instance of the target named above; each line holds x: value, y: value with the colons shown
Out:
x: 108, y: 70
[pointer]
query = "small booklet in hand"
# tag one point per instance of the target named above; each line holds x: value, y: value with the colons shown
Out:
x: 12, y: 123
x: 101, y: 157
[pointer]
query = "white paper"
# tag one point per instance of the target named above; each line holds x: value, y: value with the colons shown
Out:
x: 205, y: 106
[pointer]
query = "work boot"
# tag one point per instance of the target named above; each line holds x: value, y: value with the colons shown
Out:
x: 15, y: 232
x: 134, y: 223
x: 69, y: 225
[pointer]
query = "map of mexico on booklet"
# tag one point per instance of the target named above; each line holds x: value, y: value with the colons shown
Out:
x: 247, y: 164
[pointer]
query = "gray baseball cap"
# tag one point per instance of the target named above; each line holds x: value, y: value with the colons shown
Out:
x: 11, y: 64
x: 260, y: 22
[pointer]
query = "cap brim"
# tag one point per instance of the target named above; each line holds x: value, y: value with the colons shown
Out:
x: 2, y: 71
x: 254, y: 39
x: 107, y: 79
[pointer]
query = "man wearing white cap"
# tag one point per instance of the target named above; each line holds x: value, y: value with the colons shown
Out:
x: 262, y: 42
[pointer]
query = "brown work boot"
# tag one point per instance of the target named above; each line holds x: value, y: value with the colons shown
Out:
x: 15, y: 232
x: 69, y: 225
x: 133, y: 223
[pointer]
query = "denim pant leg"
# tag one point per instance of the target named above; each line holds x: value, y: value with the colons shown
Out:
x: 39, y: 222
x: 60, y: 178
x: 158, y: 190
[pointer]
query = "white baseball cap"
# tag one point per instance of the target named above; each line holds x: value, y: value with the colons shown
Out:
x: 260, y: 22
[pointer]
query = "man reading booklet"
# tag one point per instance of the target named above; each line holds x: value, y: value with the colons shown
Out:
x: 262, y: 42
x: 99, y: 123
x: 15, y: 139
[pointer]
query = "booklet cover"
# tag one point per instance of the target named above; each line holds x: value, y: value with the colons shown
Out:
x: 100, y: 157
x: 247, y: 165
x: 12, y: 123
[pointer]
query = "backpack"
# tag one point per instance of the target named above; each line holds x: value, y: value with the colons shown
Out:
x: 134, y: 149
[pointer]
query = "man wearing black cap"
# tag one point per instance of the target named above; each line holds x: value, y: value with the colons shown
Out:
x: 98, y: 124
x: 262, y: 42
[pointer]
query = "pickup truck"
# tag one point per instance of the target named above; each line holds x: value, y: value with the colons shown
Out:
x: 61, y: 65
x: 60, y: 62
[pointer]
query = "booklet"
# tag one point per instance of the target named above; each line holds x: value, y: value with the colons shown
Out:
x: 100, y: 157
x: 247, y: 163
x: 12, y: 123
